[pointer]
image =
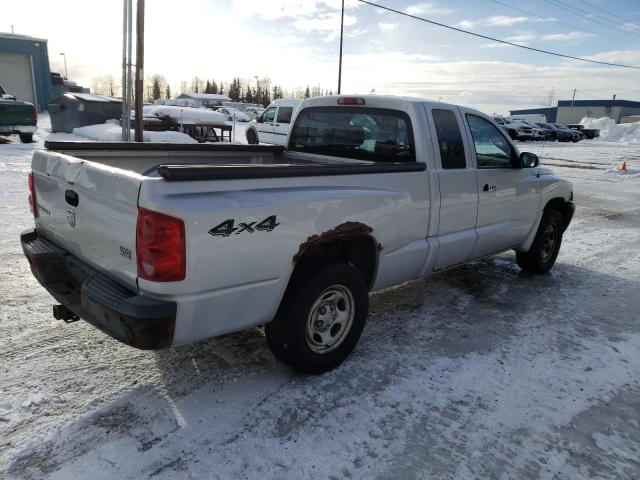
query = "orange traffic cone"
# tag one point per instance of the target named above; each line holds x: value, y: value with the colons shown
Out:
x: 623, y: 167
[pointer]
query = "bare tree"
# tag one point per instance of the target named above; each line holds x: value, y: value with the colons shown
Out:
x: 105, y: 85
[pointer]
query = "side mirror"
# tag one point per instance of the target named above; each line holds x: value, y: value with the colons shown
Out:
x: 260, y: 119
x: 528, y: 160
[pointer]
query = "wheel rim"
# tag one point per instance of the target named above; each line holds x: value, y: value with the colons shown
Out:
x: 330, y: 319
x: 549, y: 242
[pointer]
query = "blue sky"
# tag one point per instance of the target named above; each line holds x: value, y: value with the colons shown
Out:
x: 296, y: 43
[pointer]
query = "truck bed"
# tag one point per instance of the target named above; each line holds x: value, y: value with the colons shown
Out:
x: 188, y: 162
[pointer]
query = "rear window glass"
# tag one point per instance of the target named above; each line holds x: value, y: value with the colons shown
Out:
x: 374, y: 134
x: 449, y: 139
x: 284, y: 114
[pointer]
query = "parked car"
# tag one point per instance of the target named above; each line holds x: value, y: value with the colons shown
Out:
x: 195, y: 241
x: 560, y: 134
x: 589, y: 133
x: 576, y: 135
x: 253, y: 112
x: 537, y: 132
x: 272, y: 126
x: 17, y: 117
x: 233, y: 114
x: 517, y: 130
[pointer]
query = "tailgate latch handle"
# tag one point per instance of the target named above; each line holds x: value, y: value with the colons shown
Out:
x: 71, y: 197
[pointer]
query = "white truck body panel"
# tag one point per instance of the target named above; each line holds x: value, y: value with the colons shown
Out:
x: 422, y: 221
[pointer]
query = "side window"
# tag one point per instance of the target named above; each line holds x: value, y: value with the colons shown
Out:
x: 492, y: 149
x: 284, y: 115
x: 449, y: 139
x: 269, y: 114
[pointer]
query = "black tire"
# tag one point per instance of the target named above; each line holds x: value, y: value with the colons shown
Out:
x: 252, y: 138
x: 542, y: 254
x: 26, y: 137
x: 575, y: 139
x: 291, y: 335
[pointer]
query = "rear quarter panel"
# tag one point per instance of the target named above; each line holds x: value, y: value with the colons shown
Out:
x: 237, y: 281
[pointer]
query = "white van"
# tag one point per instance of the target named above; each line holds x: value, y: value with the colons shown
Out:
x: 272, y: 126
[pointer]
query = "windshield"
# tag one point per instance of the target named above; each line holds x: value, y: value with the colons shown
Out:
x: 374, y: 134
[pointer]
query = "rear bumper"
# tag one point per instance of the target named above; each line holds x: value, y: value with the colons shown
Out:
x: 18, y: 128
x: 136, y: 320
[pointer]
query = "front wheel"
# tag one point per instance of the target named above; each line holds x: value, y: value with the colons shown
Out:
x: 546, y: 245
x: 320, y: 319
x: 26, y: 137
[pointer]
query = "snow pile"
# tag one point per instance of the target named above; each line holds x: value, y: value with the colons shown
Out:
x: 610, y: 131
x: 112, y: 132
x: 189, y: 115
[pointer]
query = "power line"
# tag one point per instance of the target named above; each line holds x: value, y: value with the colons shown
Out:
x: 574, y: 11
x: 555, y: 20
x: 605, y: 11
x: 415, y: 17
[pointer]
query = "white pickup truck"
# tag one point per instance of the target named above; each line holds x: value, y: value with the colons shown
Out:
x: 160, y: 245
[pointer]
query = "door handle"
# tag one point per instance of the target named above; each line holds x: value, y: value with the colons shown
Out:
x: 489, y: 188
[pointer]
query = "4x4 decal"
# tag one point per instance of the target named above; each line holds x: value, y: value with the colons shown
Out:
x: 228, y: 227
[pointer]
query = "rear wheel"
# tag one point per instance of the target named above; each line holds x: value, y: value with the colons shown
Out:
x: 26, y: 137
x: 252, y: 138
x: 546, y: 245
x: 320, y: 319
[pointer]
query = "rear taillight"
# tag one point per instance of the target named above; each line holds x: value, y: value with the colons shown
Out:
x: 160, y: 247
x: 32, y: 196
x: 34, y: 115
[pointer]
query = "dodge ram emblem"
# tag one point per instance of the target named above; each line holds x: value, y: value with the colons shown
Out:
x: 71, y: 217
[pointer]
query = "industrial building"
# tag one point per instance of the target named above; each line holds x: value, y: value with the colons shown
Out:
x: 572, y: 111
x: 24, y: 69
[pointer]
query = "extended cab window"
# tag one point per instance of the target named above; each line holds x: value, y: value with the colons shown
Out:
x: 284, y: 115
x: 374, y: 134
x: 449, y: 139
x: 492, y: 148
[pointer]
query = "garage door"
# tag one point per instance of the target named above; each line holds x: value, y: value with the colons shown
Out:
x: 16, y: 77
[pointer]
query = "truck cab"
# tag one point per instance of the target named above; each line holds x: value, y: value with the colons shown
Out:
x: 272, y: 125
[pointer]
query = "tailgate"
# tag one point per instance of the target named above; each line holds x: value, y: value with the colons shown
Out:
x: 90, y: 210
x: 12, y: 113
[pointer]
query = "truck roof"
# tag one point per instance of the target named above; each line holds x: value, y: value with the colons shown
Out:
x: 379, y: 101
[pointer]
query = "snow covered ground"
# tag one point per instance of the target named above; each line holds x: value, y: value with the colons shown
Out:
x: 479, y: 372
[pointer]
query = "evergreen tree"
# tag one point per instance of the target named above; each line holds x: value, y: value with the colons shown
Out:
x: 167, y: 93
x: 207, y: 88
x: 156, y: 91
x: 307, y: 94
x: 248, y: 96
x: 221, y: 89
x: 214, y: 86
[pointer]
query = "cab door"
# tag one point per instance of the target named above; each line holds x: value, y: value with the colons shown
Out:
x: 508, y: 196
x: 282, y: 124
x: 265, y: 125
x: 458, y: 187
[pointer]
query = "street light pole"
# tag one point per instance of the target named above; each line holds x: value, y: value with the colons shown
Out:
x: 257, y: 90
x: 66, y: 74
x: 340, y: 60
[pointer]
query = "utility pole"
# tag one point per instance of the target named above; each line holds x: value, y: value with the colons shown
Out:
x: 571, y: 109
x: 340, y: 60
x: 139, y: 69
x: 126, y: 70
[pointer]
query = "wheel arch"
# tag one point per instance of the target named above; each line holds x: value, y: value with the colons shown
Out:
x: 351, y: 242
x: 563, y: 206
